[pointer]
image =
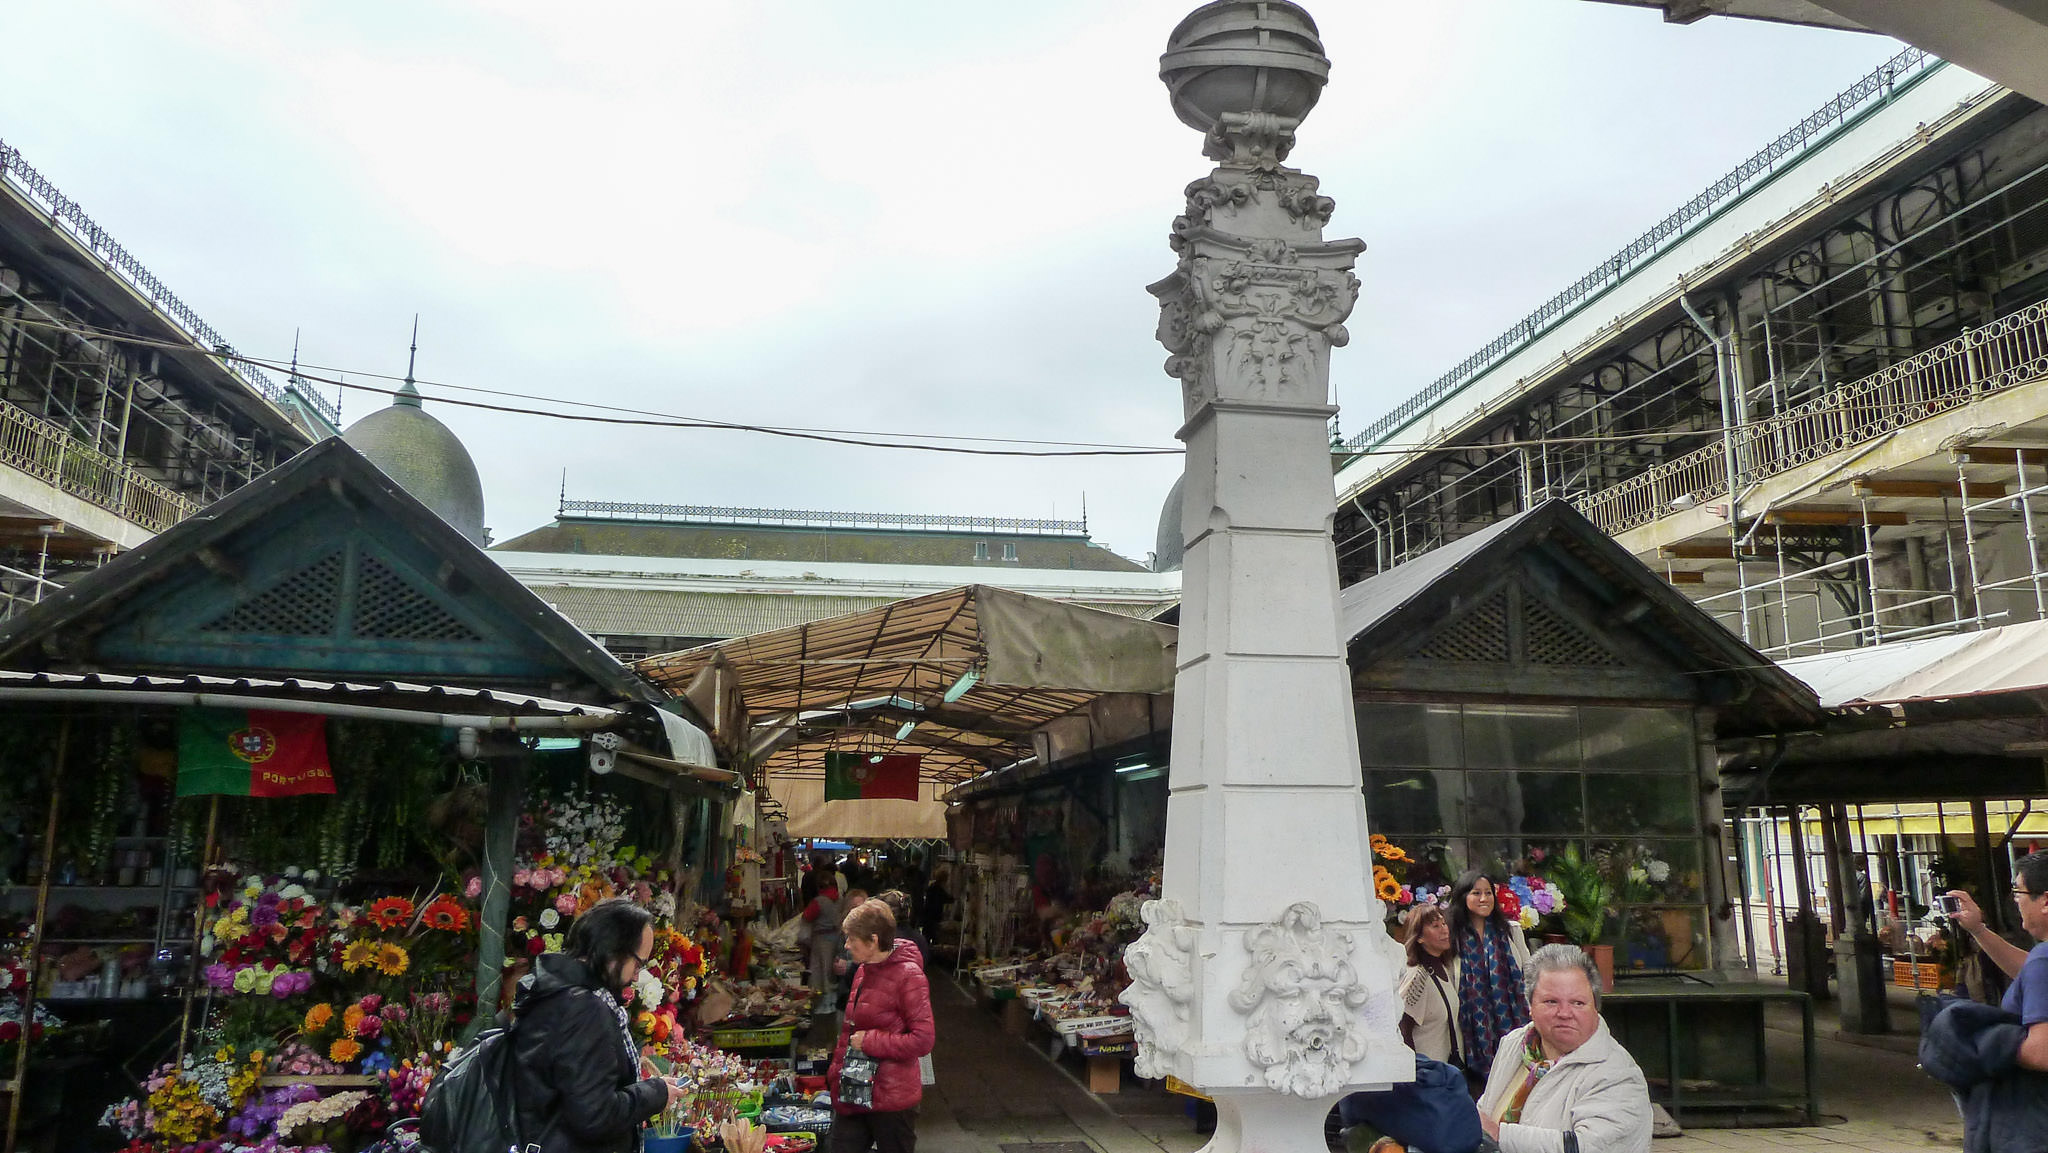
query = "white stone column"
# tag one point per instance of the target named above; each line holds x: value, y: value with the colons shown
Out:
x: 1265, y: 976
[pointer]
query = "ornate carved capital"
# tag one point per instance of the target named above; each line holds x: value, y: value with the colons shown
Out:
x: 1161, y: 994
x: 1302, y: 999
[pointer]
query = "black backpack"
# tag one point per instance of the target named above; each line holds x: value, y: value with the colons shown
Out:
x: 469, y: 1106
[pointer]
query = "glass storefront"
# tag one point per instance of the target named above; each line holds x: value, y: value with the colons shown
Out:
x: 1512, y: 787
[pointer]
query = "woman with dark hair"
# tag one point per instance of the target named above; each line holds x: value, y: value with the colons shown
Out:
x: 576, y: 1071
x: 1429, y: 988
x: 888, y: 1018
x: 899, y: 907
x: 1491, y: 954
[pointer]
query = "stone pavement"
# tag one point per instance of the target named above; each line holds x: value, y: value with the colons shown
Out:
x: 995, y: 1090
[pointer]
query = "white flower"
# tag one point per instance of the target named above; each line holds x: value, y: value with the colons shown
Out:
x: 310, y: 876
x: 291, y: 892
x: 1660, y: 871
x: 291, y: 872
x: 549, y: 918
x: 648, y: 987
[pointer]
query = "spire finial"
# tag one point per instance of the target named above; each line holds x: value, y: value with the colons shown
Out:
x: 407, y: 393
x: 295, y: 354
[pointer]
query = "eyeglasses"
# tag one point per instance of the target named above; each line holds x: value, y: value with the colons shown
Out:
x: 2022, y: 894
x: 643, y: 960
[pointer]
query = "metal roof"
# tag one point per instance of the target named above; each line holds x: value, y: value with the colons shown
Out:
x: 491, y: 701
x: 615, y: 612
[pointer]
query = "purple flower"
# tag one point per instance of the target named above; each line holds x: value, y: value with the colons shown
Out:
x: 220, y: 977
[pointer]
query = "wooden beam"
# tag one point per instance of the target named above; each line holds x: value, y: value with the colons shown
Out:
x: 1927, y: 489
x: 1698, y: 550
x: 1834, y: 516
x: 1992, y: 454
x: 1686, y: 578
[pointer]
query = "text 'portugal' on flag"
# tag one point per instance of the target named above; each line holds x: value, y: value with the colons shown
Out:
x: 252, y: 753
x: 865, y: 777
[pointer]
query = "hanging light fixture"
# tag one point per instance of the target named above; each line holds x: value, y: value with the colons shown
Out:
x: 961, y: 686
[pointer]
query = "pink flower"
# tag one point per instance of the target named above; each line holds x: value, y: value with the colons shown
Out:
x: 522, y: 878
x: 566, y: 904
x: 474, y: 889
x: 371, y: 1002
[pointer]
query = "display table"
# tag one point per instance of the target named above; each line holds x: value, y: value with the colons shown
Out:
x: 1705, y: 1043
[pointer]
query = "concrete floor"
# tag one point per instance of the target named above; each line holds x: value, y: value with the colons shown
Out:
x: 996, y: 1090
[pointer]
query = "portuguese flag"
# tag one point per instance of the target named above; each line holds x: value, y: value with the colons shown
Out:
x: 252, y: 753
x: 863, y: 777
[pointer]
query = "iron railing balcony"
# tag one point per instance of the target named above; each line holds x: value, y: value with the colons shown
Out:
x: 2007, y: 352
x: 35, y: 446
x: 66, y: 215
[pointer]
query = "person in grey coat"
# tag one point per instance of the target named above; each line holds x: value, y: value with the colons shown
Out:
x: 1562, y: 1083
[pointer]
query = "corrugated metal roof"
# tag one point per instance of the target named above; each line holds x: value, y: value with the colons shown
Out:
x: 482, y: 700
x: 619, y: 612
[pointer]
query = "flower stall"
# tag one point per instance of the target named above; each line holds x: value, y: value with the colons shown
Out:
x: 288, y: 796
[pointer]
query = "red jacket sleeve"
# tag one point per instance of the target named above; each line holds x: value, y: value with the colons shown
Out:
x: 810, y: 912
x: 917, y: 1038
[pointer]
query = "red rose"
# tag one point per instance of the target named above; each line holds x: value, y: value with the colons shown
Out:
x: 536, y: 946
x: 10, y: 1030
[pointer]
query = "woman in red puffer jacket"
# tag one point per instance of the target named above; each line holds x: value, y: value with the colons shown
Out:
x: 889, y: 1015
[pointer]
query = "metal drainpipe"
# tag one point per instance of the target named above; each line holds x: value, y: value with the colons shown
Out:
x: 1730, y: 414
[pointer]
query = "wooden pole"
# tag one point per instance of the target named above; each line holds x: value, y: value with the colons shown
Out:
x: 198, y: 927
x: 35, y: 938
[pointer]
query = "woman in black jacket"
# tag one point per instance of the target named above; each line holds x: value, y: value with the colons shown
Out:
x: 576, y: 1071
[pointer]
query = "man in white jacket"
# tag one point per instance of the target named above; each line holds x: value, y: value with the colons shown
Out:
x: 1562, y: 1084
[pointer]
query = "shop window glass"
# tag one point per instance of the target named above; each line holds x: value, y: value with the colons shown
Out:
x: 1408, y: 801
x: 1402, y: 734
x: 1673, y: 937
x: 1521, y: 737
x: 1639, y: 740
x: 1651, y: 872
x: 1641, y: 803
x: 1517, y: 802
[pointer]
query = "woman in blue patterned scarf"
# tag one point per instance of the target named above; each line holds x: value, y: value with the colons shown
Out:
x: 1491, y: 952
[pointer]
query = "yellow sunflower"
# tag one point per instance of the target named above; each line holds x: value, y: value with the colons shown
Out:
x: 359, y: 955
x: 392, y: 960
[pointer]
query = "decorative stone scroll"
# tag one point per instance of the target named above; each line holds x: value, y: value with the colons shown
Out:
x: 1161, y: 964
x: 1302, y: 997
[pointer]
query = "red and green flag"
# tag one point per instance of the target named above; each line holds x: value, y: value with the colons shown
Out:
x: 252, y: 753
x: 866, y: 777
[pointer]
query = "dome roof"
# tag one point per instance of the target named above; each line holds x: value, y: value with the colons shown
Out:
x: 1166, y: 550
x: 426, y: 459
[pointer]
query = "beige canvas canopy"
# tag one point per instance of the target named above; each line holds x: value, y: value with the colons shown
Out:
x: 1012, y: 662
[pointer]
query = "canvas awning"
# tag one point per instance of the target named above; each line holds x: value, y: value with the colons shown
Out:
x: 2010, y: 658
x: 849, y: 684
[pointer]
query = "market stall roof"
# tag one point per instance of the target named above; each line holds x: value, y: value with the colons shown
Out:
x: 1544, y: 602
x: 2010, y: 658
x: 323, y: 566
x: 850, y: 683
x: 688, y: 747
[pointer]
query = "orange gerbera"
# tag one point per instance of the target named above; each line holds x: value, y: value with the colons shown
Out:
x: 351, y: 1020
x: 359, y: 955
x: 446, y: 913
x: 389, y: 912
x: 319, y: 1017
x: 344, y: 1051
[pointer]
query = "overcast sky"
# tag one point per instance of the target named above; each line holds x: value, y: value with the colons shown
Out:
x: 935, y: 217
